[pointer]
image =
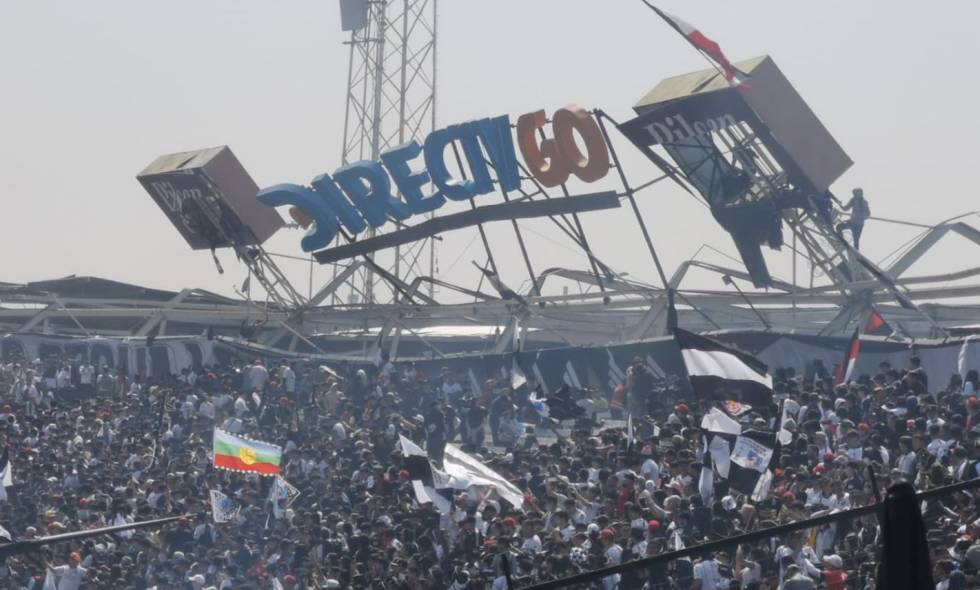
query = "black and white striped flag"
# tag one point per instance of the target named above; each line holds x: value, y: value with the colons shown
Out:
x: 720, y: 372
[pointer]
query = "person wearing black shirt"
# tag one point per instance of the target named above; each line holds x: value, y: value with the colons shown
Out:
x: 498, y: 407
x: 639, y: 381
x: 435, y: 432
x: 475, y: 431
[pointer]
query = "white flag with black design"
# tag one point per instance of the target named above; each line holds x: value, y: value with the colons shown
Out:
x: 750, y: 460
x: 223, y: 508
x: 706, y: 481
x: 791, y: 410
x: 6, y: 474
x: 466, y: 470
x: 719, y: 372
x: 762, y: 487
x: 722, y: 432
x: 461, y: 471
x: 416, y: 461
x: 517, y: 377
x: 283, y: 490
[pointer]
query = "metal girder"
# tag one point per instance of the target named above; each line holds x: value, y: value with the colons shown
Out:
x: 335, y: 283
x: 587, y: 277
x: 35, y: 318
x: 159, y: 315
x: 928, y: 241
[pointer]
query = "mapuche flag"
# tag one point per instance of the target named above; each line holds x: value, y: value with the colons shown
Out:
x: 236, y: 453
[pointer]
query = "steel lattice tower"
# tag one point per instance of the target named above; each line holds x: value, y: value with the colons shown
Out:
x: 391, y: 99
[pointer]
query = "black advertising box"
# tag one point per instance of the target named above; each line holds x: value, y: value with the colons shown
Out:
x: 210, y: 198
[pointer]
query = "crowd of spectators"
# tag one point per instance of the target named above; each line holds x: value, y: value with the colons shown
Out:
x: 92, y: 446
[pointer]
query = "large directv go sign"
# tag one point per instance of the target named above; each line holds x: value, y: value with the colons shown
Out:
x: 367, y: 193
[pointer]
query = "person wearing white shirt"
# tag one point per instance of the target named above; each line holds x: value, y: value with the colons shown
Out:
x: 233, y: 425
x: 206, y: 409
x: 451, y: 390
x: 104, y: 382
x: 205, y: 531
x: 187, y: 408
x: 708, y: 574
x: 222, y: 400
x: 289, y: 379
x: 257, y: 376
x: 63, y: 378
x: 86, y: 376
x: 66, y: 577
x: 906, y: 458
x: 939, y: 447
x: 241, y: 406
x: 614, y: 556
x: 650, y: 470
x: 532, y: 544
x: 338, y: 432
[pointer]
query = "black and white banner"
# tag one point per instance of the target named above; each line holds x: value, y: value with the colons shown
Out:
x: 722, y: 373
x: 460, y: 471
x: 791, y: 410
x: 741, y: 457
x: 750, y: 459
x: 721, y: 432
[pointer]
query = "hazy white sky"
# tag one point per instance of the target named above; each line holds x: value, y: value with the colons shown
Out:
x: 93, y: 91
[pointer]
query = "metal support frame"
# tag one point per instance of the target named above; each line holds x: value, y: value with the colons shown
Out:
x: 391, y: 99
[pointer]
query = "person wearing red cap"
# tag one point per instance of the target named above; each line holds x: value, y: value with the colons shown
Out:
x: 613, y: 554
